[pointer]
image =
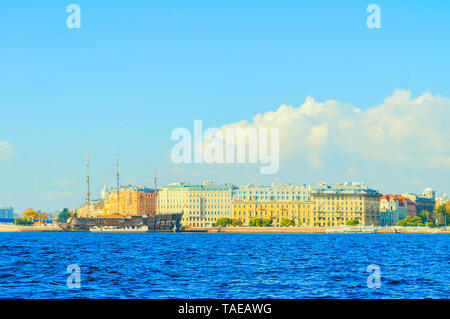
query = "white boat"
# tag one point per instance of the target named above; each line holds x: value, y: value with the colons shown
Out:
x: 115, y: 229
x: 347, y: 230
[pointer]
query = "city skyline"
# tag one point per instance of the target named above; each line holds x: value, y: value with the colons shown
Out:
x: 230, y: 157
x: 352, y: 103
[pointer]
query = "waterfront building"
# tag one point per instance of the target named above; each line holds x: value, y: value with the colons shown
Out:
x: 133, y: 201
x: 429, y: 193
x: 96, y: 209
x: 298, y: 211
x: 201, y: 204
x: 424, y: 202
x: 282, y: 193
x: 442, y: 200
x: 319, y: 205
x: 393, y: 208
x: 411, y: 208
x: 334, y: 205
x: 6, y: 212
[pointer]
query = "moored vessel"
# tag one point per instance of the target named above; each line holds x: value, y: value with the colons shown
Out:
x: 349, y: 230
x: 119, y: 221
x: 114, y: 229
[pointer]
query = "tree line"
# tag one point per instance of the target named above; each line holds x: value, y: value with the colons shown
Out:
x: 30, y: 216
x: 437, y: 218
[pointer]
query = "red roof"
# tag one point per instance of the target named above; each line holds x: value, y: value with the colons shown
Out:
x: 401, y: 200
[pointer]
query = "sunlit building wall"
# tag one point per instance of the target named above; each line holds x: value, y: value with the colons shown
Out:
x: 297, y: 211
x: 133, y: 201
x: 201, y: 204
x: 334, y: 205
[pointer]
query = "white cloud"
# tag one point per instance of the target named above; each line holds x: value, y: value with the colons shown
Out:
x: 402, y: 132
x: 6, y: 151
x: 319, y: 134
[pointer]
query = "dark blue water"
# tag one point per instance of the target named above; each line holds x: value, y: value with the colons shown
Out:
x: 33, y: 265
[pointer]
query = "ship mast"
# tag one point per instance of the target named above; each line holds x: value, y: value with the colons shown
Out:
x: 118, y: 198
x: 156, y: 194
x: 88, y: 197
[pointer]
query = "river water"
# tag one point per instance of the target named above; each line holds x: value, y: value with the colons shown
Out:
x: 220, y: 265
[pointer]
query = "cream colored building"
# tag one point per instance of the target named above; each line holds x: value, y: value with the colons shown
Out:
x: 201, y: 204
x: 278, y: 193
x: 95, y: 209
x: 133, y: 201
x: 334, y: 205
x: 299, y: 212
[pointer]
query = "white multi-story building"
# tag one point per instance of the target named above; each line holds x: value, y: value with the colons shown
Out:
x: 337, y: 204
x: 279, y: 193
x: 201, y: 204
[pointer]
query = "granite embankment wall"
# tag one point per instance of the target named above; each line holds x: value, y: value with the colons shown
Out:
x: 36, y: 228
x: 310, y: 230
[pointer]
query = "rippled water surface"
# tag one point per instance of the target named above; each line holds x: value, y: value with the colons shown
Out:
x: 33, y: 265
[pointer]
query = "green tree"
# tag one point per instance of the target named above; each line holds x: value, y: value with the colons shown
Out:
x: 430, y: 224
x: 253, y: 222
x: 236, y: 222
x: 426, y: 216
x: 352, y: 222
x: 287, y: 222
x: 260, y: 222
x: 411, y: 222
x: 441, y: 214
x: 401, y: 223
x: 64, y: 215
x: 23, y: 222
x: 266, y: 222
x: 417, y: 219
x: 223, y: 222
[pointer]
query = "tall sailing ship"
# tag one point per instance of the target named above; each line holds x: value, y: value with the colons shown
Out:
x: 119, y: 223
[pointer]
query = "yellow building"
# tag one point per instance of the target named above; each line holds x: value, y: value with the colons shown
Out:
x: 95, y: 209
x: 336, y: 205
x: 201, y: 205
x: 299, y: 212
x: 133, y: 201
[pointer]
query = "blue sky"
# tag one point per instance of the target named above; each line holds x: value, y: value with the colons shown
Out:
x: 137, y: 69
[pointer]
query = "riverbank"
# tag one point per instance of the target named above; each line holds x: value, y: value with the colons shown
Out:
x: 313, y: 230
x: 8, y: 228
x: 270, y: 230
x: 412, y: 230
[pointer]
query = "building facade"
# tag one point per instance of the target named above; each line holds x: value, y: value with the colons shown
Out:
x: 131, y: 201
x: 95, y: 209
x: 334, y: 205
x: 297, y: 211
x: 201, y: 204
x: 393, y: 208
x: 320, y: 205
x: 424, y: 202
x: 442, y: 200
x: 285, y: 193
x: 411, y: 208
x: 7, y: 212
